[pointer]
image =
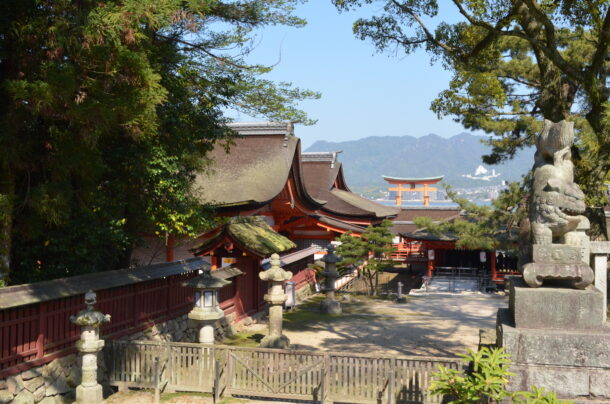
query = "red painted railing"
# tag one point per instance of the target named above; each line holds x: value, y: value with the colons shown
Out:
x: 406, y: 251
x: 34, y: 334
x: 304, y: 277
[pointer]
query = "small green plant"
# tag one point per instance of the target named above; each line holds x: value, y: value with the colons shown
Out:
x: 486, y: 381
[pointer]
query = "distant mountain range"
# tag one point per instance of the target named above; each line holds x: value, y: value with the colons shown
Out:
x: 458, y: 158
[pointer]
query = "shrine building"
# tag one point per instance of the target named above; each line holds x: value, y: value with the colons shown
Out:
x: 275, y: 200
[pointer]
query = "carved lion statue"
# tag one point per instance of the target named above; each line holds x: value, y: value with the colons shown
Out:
x: 557, y: 202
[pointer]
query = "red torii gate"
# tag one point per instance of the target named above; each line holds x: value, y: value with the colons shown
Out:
x: 412, y: 182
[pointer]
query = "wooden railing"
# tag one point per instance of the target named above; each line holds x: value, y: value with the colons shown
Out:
x: 406, y: 251
x: 289, y: 374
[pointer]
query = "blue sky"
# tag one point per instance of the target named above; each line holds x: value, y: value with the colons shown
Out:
x: 363, y: 93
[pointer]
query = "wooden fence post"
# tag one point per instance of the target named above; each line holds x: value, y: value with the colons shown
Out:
x: 42, y: 325
x: 325, y: 396
x: 392, y: 377
x: 231, y: 370
x: 216, y: 380
x: 134, y: 306
x: 157, y: 381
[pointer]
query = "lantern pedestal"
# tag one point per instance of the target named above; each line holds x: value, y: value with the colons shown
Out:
x: 207, y: 317
x: 89, y: 391
x: 275, y: 299
x: 330, y: 304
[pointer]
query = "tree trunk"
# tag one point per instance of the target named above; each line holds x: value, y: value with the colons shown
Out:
x: 7, y: 197
x: 369, y: 278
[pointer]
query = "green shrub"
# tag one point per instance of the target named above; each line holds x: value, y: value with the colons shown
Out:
x: 486, y: 381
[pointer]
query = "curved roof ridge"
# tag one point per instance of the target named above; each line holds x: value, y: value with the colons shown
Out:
x: 262, y: 128
x: 414, y: 179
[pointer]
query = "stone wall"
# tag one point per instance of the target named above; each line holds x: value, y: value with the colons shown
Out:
x: 55, y: 382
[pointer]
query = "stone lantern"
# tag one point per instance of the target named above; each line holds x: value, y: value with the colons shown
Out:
x: 89, y: 391
x: 275, y: 298
x: 330, y: 304
x: 206, y: 309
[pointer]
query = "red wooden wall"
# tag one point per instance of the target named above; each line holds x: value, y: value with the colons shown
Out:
x: 37, y: 333
x: 34, y: 334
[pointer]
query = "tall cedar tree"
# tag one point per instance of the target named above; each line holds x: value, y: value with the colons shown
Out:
x: 107, y: 111
x: 514, y: 62
x: 373, y: 251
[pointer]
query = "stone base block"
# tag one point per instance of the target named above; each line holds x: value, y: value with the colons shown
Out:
x: 330, y: 306
x: 556, y: 308
x: 273, y: 341
x: 89, y: 394
x: 574, y: 364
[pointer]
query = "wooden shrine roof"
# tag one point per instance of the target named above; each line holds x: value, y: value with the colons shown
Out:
x: 249, y: 233
x: 339, y: 224
x: 323, y: 177
x: 256, y: 168
x: 426, y: 235
x: 351, y: 203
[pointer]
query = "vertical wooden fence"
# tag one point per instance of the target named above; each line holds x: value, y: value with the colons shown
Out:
x: 328, y: 377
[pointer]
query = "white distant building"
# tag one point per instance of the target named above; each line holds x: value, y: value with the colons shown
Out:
x: 482, y: 174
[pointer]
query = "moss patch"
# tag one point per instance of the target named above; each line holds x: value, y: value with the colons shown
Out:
x: 170, y: 396
x: 244, y: 339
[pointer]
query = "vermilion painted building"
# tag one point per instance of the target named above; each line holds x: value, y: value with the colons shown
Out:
x: 276, y: 200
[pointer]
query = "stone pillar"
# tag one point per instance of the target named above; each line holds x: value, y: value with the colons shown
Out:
x: 89, y: 391
x: 330, y: 304
x: 275, y: 298
x: 579, y: 238
x: 599, y: 257
x: 399, y: 297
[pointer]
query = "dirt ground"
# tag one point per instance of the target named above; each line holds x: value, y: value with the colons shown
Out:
x: 147, y: 397
x: 425, y: 325
x: 443, y: 325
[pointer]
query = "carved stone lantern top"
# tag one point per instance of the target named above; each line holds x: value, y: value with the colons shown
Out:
x: 330, y: 256
x: 275, y: 273
x: 90, y: 317
x: 206, y: 281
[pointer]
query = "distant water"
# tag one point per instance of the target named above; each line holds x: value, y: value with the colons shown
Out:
x: 441, y: 204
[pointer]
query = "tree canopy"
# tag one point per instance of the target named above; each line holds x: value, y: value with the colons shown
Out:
x: 483, y: 227
x: 107, y: 110
x: 514, y: 62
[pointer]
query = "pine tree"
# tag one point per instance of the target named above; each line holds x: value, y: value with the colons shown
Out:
x: 373, y: 252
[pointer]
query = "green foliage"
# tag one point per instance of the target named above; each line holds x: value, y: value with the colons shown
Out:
x: 486, y: 381
x: 373, y: 251
x: 107, y: 111
x: 513, y: 64
x: 483, y: 227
